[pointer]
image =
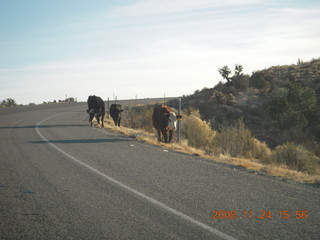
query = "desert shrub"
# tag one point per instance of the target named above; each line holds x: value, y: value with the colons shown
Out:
x: 285, y: 115
x: 138, y: 117
x: 188, y: 110
x: 260, y: 150
x: 296, y: 157
x: 260, y: 80
x: 241, y: 81
x: 219, y: 97
x: 297, y: 109
x: 198, y: 133
x: 302, y: 98
x: 237, y: 141
x: 277, y: 106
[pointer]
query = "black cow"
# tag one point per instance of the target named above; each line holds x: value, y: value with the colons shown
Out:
x: 116, y: 112
x: 96, y: 109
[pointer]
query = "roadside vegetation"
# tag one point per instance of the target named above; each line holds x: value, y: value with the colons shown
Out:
x: 233, y: 145
x: 10, y: 102
x: 268, y: 122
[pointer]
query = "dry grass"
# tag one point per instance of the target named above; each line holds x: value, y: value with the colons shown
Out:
x: 250, y: 164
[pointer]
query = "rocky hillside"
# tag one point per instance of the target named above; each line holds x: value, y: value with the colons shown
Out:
x: 280, y: 104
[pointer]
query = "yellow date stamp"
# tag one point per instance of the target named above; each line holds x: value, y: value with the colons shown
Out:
x: 262, y: 214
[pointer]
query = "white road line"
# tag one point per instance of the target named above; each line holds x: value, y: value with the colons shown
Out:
x: 149, y: 199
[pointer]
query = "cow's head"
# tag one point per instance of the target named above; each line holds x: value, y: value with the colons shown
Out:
x: 120, y: 111
x: 173, y: 118
x: 91, y: 114
x: 116, y: 114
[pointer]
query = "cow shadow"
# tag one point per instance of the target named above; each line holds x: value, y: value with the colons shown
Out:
x: 83, y: 141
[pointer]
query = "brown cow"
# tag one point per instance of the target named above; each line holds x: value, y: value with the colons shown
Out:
x: 164, y: 120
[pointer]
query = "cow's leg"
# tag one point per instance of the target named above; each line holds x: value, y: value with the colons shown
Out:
x: 115, y: 121
x: 102, y: 120
x: 91, y: 116
x: 165, y: 135
x: 170, y: 135
x: 119, y: 121
x: 159, y: 135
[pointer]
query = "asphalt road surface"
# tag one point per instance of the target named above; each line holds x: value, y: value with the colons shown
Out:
x: 61, y: 179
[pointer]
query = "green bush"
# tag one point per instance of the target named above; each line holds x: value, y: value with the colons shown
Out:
x: 303, y: 99
x: 198, y: 133
x: 241, y: 81
x: 296, y: 110
x: 296, y: 157
x: 260, y: 80
x: 138, y: 117
x: 237, y: 141
x: 277, y: 106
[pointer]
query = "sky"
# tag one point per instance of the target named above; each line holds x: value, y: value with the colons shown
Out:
x: 145, y: 48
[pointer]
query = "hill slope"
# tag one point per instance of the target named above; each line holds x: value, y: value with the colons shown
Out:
x: 280, y: 104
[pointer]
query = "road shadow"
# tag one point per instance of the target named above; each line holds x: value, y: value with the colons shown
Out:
x: 78, y: 141
x: 47, y: 126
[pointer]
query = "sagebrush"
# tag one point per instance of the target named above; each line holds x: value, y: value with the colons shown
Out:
x: 296, y: 157
x: 236, y: 140
x: 197, y: 132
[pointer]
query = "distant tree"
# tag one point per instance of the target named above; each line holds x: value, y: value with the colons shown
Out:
x: 300, y: 62
x: 238, y: 70
x: 225, y: 72
x: 70, y: 99
x: 9, y: 102
x: 240, y: 80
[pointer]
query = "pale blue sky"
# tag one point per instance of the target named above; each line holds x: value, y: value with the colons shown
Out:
x: 145, y: 47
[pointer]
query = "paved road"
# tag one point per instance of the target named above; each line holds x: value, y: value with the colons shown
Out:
x: 61, y: 179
